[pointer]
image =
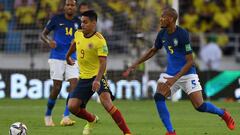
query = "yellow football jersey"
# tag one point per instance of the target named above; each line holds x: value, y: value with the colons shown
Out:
x: 88, y: 50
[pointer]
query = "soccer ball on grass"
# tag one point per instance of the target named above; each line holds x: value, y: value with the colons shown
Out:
x: 18, y: 128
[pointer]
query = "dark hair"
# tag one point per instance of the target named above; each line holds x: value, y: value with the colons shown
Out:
x: 172, y: 12
x: 91, y: 14
x: 83, y: 4
x: 73, y: 0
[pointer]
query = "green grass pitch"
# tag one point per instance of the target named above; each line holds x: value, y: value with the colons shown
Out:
x: 141, y: 117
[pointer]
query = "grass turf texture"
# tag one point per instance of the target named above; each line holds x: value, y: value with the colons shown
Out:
x: 141, y: 117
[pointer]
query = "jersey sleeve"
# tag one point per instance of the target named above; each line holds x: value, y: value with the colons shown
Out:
x: 186, y: 43
x: 158, y: 42
x: 51, y: 24
x: 102, y: 49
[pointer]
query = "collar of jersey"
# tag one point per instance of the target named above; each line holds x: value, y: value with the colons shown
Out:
x: 90, y: 35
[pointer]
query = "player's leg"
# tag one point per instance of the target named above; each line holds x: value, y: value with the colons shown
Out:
x: 51, y: 102
x: 78, y: 100
x: 73, y: 84
x: 66, y: 121
x: 161, y: 105
x: 115, y: 113
x: 78, y: 109
x: 71, y: 74
x: 201, y: 106
x: 193, y: 88
x: 56, y: 74
x: 106, y: 98
x: 162, y: 109
x: 198, y: 103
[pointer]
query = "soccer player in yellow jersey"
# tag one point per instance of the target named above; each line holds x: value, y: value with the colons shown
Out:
x: 92, y: 52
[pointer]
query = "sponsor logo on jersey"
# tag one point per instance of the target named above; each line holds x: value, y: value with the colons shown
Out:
x: 163, y: 40
x: 175, y: 42
x: 188, y: 47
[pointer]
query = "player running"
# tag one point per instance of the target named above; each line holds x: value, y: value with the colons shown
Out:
x: 64, y: 26
x: 180, y: 74
x: 92, y: 52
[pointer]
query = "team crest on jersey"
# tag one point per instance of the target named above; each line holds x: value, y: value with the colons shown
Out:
x: 175, y: 42
x: 75, y: 25
x: 163, y: 41
x: 90, y: 46
x: 188, y: 47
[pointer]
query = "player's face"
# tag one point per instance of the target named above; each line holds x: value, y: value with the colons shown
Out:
x: 87, y: 25
x: 164, y: 20
x: 70, y: 7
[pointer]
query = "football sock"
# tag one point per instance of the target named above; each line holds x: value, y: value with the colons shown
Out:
x: 119, y: 120
x: 163, y: 111
x: 210, y: 108
x: 50, y: 105
x: 66, y: 111
x: 82, y: 113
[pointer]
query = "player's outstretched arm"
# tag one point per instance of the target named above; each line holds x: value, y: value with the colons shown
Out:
x: 102, y: 68
x: 71, y: 50
x: 147, y: 55
x: 45, y: 39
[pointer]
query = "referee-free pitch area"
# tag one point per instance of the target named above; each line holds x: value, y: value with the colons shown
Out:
x: 140, y: 115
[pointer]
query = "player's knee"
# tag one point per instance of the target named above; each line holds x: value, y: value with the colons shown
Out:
x: 107, y: 104
x: 57, y: 87
x: 106, y: 100
x: 53, y: 95
x: 71, y: 88
x: 72, y: 107
x: 159, y: 97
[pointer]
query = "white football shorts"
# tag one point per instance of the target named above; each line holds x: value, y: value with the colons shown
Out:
x: 60, y: 70
x: 188, y: 83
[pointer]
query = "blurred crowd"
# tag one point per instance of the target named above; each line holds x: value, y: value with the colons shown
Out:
x: 142, y: 15
x: 28, y: 14
x: 134, y: 16
x: 210, y: 15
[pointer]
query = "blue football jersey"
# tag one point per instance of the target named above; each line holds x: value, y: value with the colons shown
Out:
x: 177, y: 45
x: 64, y: 30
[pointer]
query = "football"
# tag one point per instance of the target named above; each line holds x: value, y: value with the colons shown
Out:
x: 18, y: 128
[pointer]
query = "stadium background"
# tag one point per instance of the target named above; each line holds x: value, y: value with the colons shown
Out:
x: 130, y: 27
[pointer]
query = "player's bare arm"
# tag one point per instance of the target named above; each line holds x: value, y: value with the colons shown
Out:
x: 164, y: 88
x: 183, y: 71
x: 71, y: 50
x: 102, y: 68
x: 45, y: 38
x: 147, y: 55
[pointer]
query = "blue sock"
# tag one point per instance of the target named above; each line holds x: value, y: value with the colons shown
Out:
x: 210, y: 108
x: 50, y: 105
x: 66, y: 111
x: 163, y: 111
